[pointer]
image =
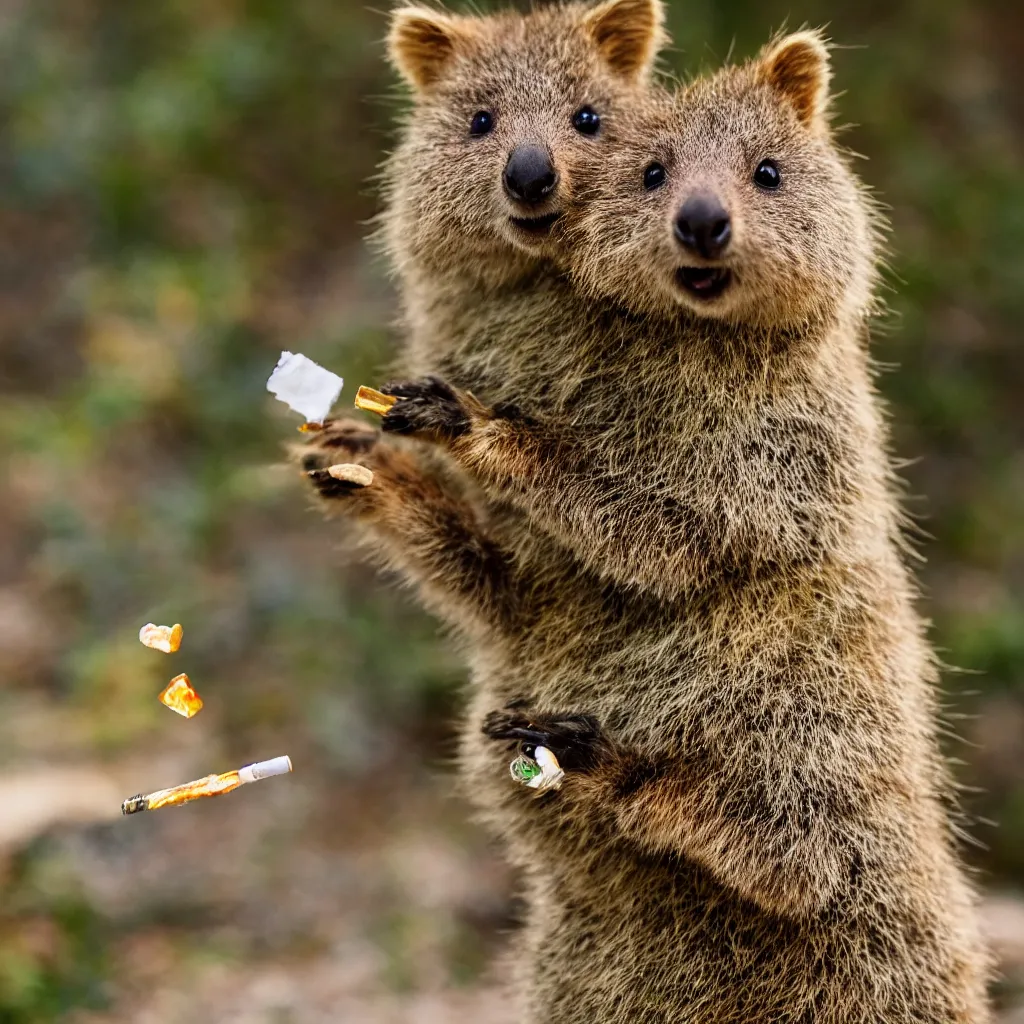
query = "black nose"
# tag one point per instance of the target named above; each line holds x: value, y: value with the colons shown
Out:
x: 530, y: 176
x: 703, y: 226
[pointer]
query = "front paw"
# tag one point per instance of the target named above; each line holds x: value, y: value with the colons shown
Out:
x: 340, y: 480
x: 576, y: 740
x: 432, y: 409
x: 339, y: 444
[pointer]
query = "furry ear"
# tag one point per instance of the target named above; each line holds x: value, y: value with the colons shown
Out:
x: 629, y: 34
x: 421, y: 42
x: 798, y: 67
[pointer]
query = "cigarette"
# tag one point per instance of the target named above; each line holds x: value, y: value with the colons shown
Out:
x: 161, y: 638
x: 352, y: 474
x: 211, y: 785
x: 374, y: 401
x: 179, y: 696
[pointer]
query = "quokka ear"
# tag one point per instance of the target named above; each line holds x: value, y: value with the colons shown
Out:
x: 798, y: 67
x: 629, y: 34
x: 421, y: 42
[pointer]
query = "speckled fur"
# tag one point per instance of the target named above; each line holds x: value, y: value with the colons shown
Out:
x: 446, y: 225
x: 701, y: 556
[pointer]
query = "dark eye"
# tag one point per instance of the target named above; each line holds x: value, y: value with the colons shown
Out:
x: 482, y: 123
x: 767, y: 174
x: 654, y: 177
x: 586, y: 121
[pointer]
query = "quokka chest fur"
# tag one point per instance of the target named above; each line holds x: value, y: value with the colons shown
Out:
x: 690, y: 552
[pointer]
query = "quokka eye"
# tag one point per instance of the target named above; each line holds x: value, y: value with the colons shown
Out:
x: 483, y: 122
x: 768, y: 175
x: 587, y: 121
x: 654, y: 177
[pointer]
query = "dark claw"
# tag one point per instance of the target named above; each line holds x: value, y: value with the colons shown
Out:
x: 534, y: 737
x: 575, y: 740
x: 428, y: 406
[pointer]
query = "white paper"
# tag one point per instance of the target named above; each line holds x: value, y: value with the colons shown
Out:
x: 304, y: 386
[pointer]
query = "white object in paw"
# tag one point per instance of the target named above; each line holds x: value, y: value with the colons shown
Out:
x: 305, y: 386
x: 551, y: 774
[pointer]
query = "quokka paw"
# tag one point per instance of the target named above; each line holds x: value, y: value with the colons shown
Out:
x: 344, y: 436
x: 340, y: 442
x: 430, y: 408
x: 576, y: 740
x: 331, y: 484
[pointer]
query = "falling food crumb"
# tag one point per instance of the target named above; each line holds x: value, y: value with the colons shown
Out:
x: 352, y: 474
x: 374, y: 401
x: 162, y: 638
x: 305, y: 386
x: 211, y: 785
x: 179, y: 696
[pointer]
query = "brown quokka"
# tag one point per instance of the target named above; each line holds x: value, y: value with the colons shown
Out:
x: 697, y: 594
x: 511, y: 116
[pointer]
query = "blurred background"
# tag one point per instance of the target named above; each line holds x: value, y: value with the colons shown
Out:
x: 184, y: 189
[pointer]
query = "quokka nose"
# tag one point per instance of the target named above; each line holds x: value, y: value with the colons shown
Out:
x: 530, y: 177
x: 703, y: 226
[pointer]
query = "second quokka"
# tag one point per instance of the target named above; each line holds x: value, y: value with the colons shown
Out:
x: 719, y: 639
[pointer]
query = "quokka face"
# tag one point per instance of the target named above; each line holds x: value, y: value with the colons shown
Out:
x: 510, y: 113
x: 731, y: 200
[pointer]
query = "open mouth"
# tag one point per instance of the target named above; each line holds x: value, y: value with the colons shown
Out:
x: 536, y: 225
x: 704, y: 282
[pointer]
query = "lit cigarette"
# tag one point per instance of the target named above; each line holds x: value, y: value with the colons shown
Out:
x: 212, y: 785
x: 162, y: 638
x: 373, y: 401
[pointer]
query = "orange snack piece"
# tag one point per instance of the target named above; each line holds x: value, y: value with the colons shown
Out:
x: 162, y: 638
x: 374, y: 401
x: 179, y: 696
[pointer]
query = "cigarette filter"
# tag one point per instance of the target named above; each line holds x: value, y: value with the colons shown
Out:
x: 374, y: 401
x: 211, y: 785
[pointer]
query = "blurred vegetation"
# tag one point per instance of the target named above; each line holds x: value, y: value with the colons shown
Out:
x: 183, y: 193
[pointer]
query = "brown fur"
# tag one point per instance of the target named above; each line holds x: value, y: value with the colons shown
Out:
x: 703, y: 605
x: 446, y: 226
